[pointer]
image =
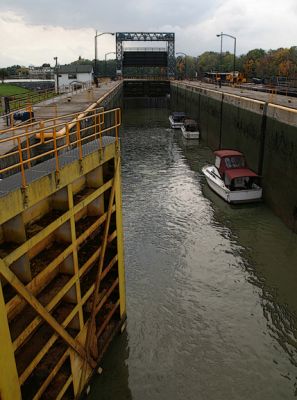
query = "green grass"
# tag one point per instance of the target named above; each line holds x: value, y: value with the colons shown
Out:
x: 10, y: 90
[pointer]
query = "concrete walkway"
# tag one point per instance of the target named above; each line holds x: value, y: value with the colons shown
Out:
x: 285, y: 101
x: 72, y: 103
x: 44, y: 168
x: 56, y: 107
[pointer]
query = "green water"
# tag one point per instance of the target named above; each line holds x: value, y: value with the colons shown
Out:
x: 211, y: 289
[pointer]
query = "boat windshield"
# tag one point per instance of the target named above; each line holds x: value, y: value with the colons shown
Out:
x: 234, y: 162
x: 178, y: 116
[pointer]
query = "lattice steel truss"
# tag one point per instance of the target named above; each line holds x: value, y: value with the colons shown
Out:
x: 146, y: 37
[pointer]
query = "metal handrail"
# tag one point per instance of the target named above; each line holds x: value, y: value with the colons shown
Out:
x: 27, y: 103
x: 50, y: 122
x: 30, y: 125
x: 31, y: 98
x: 73, y: 138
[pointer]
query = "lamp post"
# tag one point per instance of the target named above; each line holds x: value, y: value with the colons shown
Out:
x: 57, y: 74
x: 97, y: 35
x: 184, y: 54
x: 106, y: 54
x: 234, y: 56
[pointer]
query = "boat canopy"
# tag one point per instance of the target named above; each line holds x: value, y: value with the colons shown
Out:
x: 240, y: 173
x: 227, y: 153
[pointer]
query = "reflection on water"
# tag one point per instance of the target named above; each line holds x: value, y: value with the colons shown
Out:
x: 211, y: 288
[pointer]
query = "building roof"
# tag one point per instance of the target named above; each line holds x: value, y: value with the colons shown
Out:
x: 75, y: 68
x: 227, y: 153
x: 239, y: 173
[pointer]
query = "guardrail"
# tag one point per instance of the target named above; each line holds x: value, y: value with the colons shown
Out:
x: 28, y: 147
x: 20, y: 103
x: 17, y: 102
x: 31, y: 124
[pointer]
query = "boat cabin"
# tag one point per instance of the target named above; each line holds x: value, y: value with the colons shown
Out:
x: 190, y: 125
x: 232, y: 167
x: 178, y: 116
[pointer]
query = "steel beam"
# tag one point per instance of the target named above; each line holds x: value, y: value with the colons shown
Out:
x: 9, y: 390
x: 44, y: 314
x: 168, y: 37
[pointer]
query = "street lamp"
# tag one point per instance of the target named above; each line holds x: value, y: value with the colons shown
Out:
x: 97, y: 35
x: 234, y: 57
x: 184, y: 54
x: 57, y: 74
x: 106, y: 54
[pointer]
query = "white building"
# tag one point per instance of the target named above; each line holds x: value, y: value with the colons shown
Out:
x: 43, y: 72
x: 73, y: 76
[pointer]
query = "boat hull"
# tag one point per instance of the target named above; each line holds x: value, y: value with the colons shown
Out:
x: 188, y: 134
x: 175, y: 125
x: 233, y: 197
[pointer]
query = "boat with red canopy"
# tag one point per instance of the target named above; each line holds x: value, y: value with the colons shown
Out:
x: 231, y: 179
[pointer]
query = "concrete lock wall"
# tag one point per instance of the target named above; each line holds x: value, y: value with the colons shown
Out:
x: 280, y: 164
x: 265, y: 133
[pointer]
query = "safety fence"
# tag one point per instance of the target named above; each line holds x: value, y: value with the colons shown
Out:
x: 50, y: 138
x: 19, y: 109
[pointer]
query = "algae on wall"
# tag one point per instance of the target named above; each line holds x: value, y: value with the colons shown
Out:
x: 269, y: 142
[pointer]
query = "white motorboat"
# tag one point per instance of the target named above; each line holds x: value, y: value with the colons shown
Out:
x: 231, y: 179
x: 190, y: 129
x: 176, y: 120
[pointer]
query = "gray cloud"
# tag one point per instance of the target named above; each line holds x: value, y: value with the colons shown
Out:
x: 113, y: 15
x: 39, y: 30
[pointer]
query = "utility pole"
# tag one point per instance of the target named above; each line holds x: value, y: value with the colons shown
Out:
x: 234, y: 52
x: 97, y: 35
x: 57, y: 74
x: 95, y: 64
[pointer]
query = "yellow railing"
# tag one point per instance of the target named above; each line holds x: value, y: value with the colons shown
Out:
x: 23, y: 102
x: 32, y: 125
x: 27, y: 148
x: 10, y: 117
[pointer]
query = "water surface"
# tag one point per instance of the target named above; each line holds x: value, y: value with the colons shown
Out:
x: 211, y: 288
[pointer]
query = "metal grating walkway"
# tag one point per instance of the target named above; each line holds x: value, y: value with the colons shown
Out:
x: 14, y: 182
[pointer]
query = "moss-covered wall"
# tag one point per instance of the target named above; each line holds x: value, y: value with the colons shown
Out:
x: 241, y: 129
x: 268, y: 142
x: 280, y: 170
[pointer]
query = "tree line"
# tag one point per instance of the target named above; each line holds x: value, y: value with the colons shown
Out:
x: 257, y: 63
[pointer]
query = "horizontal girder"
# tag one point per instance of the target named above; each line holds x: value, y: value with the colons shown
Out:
x: 144, y: 36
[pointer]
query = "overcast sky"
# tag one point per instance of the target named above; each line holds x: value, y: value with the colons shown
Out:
x: 35, y: 31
